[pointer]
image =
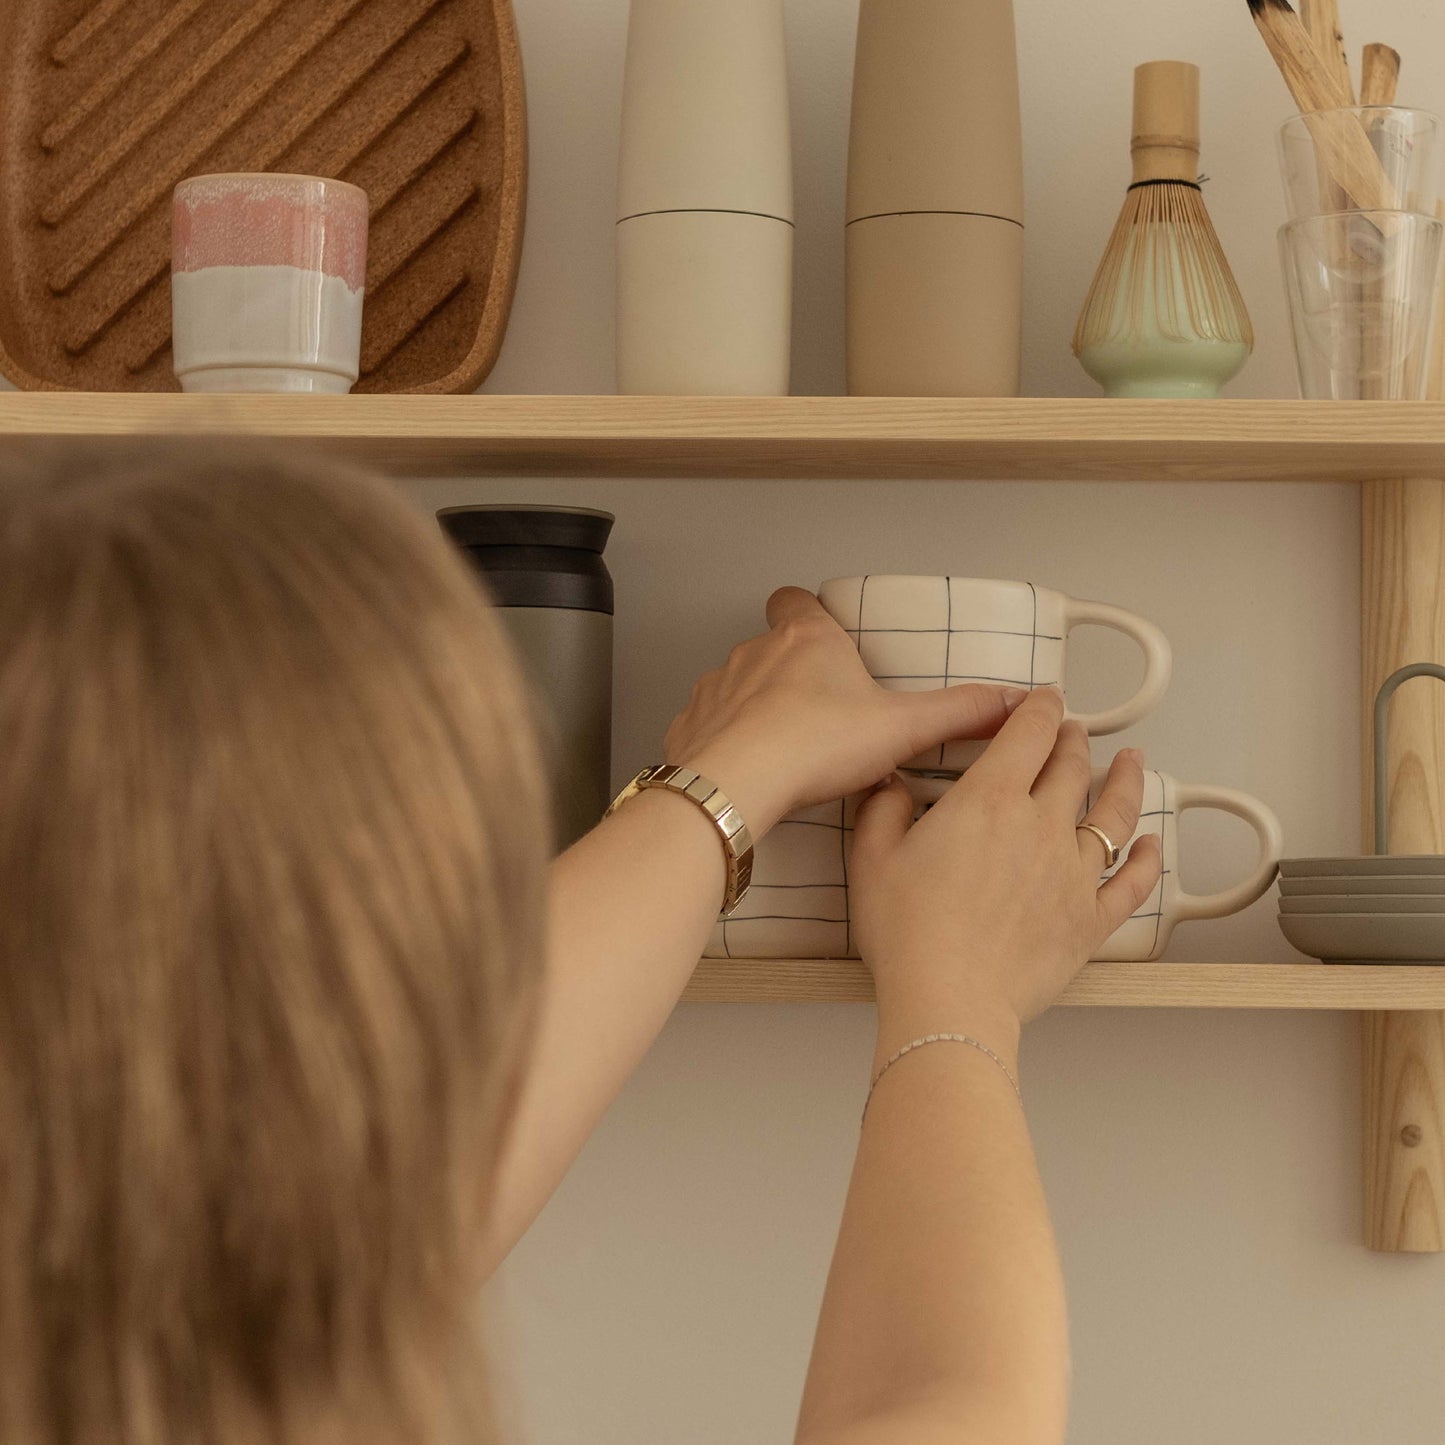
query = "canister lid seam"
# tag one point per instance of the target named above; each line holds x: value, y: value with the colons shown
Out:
x: 982, y: 215
x: 704, y: 210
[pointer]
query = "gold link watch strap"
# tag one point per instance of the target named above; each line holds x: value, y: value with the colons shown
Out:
x: 737, y: 841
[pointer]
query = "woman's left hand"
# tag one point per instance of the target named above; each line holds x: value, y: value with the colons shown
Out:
x: 793, y: 718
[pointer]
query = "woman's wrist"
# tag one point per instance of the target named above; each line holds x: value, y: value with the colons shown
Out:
x: 686, y: 827
x: 759, y: 798
x: 910, y: 1008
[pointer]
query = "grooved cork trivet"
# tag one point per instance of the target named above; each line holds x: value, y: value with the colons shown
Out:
x: 106, y: 104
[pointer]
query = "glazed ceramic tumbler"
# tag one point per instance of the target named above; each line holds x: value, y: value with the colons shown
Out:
x: 916, y: 633
x: 267, y: 275
x: 798, y: 906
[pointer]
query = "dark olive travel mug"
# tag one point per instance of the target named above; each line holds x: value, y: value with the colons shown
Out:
x: 554, y: 594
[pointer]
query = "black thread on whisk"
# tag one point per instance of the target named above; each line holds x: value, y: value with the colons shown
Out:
x: 1193, y: 185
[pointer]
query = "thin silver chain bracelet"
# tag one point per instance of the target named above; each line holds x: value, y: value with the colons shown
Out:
x: 939, y: 1039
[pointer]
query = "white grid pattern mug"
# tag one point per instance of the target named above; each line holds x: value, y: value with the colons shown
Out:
x: 798, y: 905
x: 915, y: 633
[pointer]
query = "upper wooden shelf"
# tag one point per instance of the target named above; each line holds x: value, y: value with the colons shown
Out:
x: 1108, y: 985
x: 1025, y: 438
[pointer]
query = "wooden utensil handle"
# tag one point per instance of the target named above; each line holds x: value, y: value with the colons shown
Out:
x: 1322, y: 23
x: 1379, y: 74
x: 1165, y: 140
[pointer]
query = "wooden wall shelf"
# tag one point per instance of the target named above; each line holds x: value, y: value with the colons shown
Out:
x: 1107, y: 985
x: 1397, y: 449
x: 1028, y: 438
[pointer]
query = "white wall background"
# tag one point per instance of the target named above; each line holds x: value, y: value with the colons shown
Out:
x: 1203, y: 1166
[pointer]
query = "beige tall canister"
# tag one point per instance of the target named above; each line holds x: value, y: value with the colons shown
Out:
x: 934, y: 234
x: 705, y: 201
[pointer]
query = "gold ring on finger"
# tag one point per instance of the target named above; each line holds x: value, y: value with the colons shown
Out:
x: 1111, y: 853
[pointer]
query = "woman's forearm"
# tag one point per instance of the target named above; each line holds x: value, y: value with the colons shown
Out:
x: 632, y: 904
x: 944, y: 1319
x: 791, y: 718
x: 944, y: 1312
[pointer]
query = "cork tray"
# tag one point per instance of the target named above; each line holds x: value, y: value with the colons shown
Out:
x: 106, y: 104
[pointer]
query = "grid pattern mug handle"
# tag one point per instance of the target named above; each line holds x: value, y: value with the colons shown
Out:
x: 1158, y: 661
x: 1271, y: 844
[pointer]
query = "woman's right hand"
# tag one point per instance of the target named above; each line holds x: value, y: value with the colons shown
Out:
x: 977, y: 916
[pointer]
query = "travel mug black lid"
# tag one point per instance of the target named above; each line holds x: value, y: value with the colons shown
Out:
x: 536, y: 556
x: 508, y: 525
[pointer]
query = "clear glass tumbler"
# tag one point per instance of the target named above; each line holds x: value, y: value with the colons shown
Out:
x: 1406, y: 143
x: 1362, y: 288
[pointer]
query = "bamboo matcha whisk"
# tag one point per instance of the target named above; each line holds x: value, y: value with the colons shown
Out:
x: 1164, y: 316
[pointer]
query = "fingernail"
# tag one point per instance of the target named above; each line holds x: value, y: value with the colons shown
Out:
x: 1134, y: 755
x: 1013, y: 696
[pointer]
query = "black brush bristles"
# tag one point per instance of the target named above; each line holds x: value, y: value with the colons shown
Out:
x: 1257, y: 7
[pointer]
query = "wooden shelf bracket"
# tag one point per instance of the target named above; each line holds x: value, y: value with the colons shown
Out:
x: 1403, y: 1054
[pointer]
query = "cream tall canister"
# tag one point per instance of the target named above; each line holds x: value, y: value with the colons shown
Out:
x: 705, y: 201
x: 934, y: 236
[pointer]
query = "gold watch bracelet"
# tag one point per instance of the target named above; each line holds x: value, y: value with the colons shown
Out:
x: 737, y: 841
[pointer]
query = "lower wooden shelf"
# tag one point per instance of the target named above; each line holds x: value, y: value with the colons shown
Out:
x: 1107, y: 985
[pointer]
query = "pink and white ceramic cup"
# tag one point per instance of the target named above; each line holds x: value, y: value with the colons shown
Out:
x: 267, y: 275
x: 916, y: 633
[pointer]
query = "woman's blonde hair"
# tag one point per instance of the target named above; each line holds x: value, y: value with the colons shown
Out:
x: 271, y: 869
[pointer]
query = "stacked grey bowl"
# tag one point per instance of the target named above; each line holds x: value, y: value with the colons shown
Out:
x: 1379, y: 909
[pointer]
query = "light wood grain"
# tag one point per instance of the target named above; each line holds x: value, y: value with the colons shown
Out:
x: 1025, y: 438
x: 1403, y: 592
x: 1110, y: 985
x: 1403, y: 598
x: 1379, y: 74
x: 1404, y: 1070
x: 1322, y: 22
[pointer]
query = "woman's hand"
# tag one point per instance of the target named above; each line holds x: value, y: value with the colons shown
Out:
x: 793, y: 718
x: 986, y: 907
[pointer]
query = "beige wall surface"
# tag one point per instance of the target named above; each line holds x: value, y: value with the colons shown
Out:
x: 1202, y: 1166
